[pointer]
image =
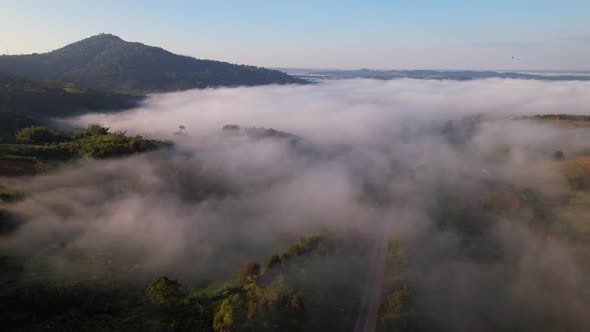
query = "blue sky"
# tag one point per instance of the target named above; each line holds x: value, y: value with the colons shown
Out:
x: 453, y: 34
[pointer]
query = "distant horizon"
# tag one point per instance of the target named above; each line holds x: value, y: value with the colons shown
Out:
x: 584, y: 71
x: 282, y: 68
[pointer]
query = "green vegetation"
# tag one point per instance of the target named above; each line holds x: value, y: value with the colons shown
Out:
x: 249, y: 272
x: 104, y: 74
x: 42, y: 146
x: 25, y: 103
x: 8, y: 196
x: 38, y: 135
x: 310, y: 243
x: 55, y: 99
x: 283, y: 300
x: 95, y: 129
x: 396, y: 312
x: 577, y: 172
x: 164, y: 291
x: 316, y: 283
x: 11, y: 122
x: 107, y: 62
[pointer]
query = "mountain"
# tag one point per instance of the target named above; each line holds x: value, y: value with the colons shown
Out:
x: 107, y: 62
x: 54, y: 99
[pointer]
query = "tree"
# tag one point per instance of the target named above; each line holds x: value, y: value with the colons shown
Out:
x: 164, y: 291
x: 224, y: 319
x: 295, y: 303
x: 249, y: 271
x: 273, y: 261
x: 397, y: 312
x: 96, y: 129
x: 38, y: 135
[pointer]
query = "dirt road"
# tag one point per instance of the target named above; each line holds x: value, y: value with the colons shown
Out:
x: 369, y: 311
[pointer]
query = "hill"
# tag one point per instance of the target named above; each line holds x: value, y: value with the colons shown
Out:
x: 38, y: 147
x: 107, y: 62
x: 52, y: 99
x: 25, y: 102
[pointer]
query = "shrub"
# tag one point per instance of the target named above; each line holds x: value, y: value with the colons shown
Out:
x: 114, y: 146
x: 120, y: 133
x: 40, y: 165
x: 396, y: 312
x: 164, y: 291
x: 224, y: 318
x: 38, y: 135
x: 306, y: 245
x: 96, y: 129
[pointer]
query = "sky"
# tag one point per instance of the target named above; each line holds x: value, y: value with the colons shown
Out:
x: 425, y: 34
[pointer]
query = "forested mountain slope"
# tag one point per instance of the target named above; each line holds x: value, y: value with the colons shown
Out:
x: 107, y: 62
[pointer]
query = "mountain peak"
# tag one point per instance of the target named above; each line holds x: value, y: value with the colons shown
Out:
x: 105, y: 36
x: 102, y: 38
x: 107, y: 62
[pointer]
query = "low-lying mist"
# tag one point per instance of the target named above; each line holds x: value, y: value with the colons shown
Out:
x: 348, y: 111
x: 384, y: 157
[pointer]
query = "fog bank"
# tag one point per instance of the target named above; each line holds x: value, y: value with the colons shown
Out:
x: 380, y: 156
